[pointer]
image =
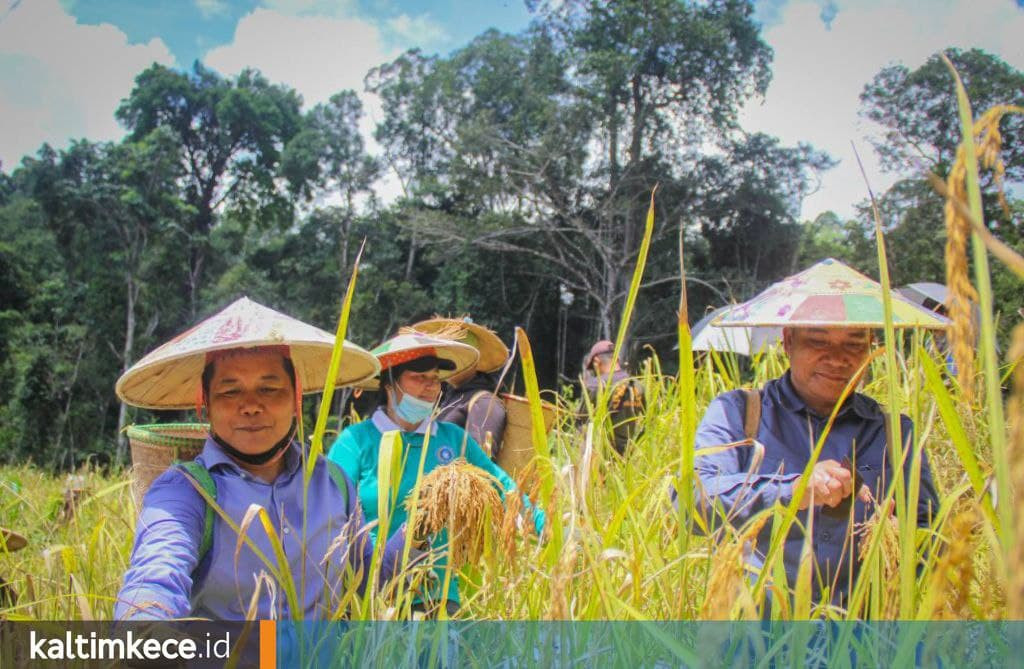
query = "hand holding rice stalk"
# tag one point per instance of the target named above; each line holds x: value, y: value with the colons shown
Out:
x: 464, y: 500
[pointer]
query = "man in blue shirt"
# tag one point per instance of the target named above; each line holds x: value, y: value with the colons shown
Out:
x: 252, y: 458
x: 247, y: 368
x: 794, y: 411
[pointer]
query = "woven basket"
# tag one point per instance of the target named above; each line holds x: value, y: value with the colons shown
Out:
x: 517, y: 444
x: 156, y: 447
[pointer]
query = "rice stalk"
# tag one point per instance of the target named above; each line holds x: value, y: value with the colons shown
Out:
x: 993, y: 397
x: 961, y: 291
x: 317, y: 439
x: 283, y: 573
x: 461, y: 498
x: 1015, y: 413
x: 906, y: 499
x: 727, y: 589
x: 949, y: 588
x: 880, y: 549
x: 559, y: 607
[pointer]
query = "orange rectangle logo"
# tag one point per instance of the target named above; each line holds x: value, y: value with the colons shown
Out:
x: 268, y: 644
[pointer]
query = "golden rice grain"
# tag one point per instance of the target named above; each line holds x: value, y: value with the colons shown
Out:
x: 962, y: 294
x: 950, y: 582
x: 1015, y: 416
x: 727, y: 582
x: 461, y: 498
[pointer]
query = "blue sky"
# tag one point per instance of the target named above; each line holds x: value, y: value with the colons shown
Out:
x: 191, y: 28
x: 65, y: 64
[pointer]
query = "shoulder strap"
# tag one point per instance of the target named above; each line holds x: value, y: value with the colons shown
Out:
x: 338, y: 476
x: 752, y: 419
x: 472, y: 401
x: 202, y: 476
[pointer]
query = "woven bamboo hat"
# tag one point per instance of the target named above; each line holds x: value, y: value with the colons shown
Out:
x: 453, y: 357
x: 11, y: 541
x: 169, y: 377
x: 493, y: 352
x: 828, y: 295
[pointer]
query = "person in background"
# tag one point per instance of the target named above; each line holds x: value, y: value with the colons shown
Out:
x: 469, y: 398
x: 625, y: 399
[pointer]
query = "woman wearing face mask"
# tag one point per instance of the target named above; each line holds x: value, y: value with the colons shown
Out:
x: 412, y: 368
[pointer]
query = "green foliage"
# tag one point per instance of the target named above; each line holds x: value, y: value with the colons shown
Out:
x: 919, y: 112
x: 525, y: 162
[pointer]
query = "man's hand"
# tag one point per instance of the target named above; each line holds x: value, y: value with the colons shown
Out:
x: 830, y: 484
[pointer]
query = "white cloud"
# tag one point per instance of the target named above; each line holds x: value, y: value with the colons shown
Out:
x: 210, y: 8
x: 61, y: 80
x: 819, y: 74
x: 318, y: 56
x: 421, y: 30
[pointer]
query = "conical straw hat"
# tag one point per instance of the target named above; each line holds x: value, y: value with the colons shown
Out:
x: 11, y: 541
x: 828, y: 295
x: 169, y: 376
x: 411, y: 345
x: 493, y: 352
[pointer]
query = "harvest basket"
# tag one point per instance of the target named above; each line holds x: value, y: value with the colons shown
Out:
x: 156, y: 447
x: 517, y: 444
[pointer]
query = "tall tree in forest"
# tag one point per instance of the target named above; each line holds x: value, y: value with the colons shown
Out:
x: 917, y: 110
x: 231, y: 133
x: 548, y: 143
x: 115, y: 209
x: 327, y: 159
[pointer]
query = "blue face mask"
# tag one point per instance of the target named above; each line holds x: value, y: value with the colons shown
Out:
x: 411, y: 409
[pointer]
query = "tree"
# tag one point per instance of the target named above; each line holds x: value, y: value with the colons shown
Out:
x: 231, y: 134
x: 114, y: 208
x: 328, y: 158
x: 547, y: 144
x: 918, y: 111
x: 752, y: 197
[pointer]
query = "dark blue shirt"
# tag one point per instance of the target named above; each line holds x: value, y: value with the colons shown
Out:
x: 789, y: 430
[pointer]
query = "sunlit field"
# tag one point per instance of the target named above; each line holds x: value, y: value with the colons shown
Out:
x: 615, y: 548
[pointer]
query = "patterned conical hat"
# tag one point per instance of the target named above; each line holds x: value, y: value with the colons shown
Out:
x: 169, y: 377
x: 828, y: 295
x: 493, y: 352
x: 411, y: 345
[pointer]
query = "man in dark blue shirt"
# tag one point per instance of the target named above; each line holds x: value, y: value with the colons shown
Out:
x: 794, y: 411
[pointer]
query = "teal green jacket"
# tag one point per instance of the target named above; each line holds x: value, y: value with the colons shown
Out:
x: 357, y: 451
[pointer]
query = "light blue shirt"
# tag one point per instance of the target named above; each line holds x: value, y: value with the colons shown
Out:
x: 167, y: 579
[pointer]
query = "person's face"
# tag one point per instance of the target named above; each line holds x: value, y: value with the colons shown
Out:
x: 605, y: 363
x: 822, y: 361
x: 422, y: 385
x: 252, y: 401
